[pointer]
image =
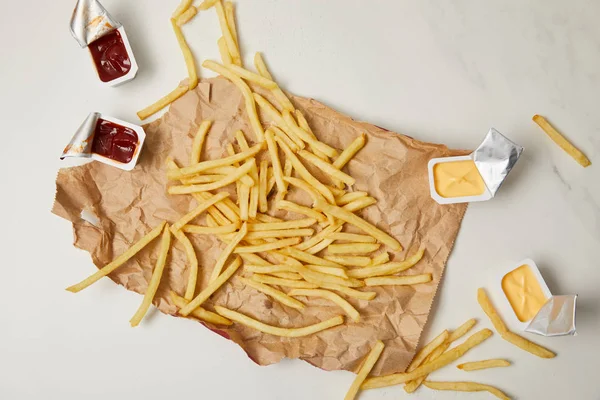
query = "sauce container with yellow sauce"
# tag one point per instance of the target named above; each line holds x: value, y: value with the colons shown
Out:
x: 477, y: 176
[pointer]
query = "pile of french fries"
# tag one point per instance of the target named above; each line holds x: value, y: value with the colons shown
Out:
x: 282, y: 258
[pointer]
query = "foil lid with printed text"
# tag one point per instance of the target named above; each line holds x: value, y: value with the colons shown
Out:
x: 556, y: 317
x: 90, y: 21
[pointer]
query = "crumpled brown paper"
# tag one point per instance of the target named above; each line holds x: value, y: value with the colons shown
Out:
x: 392, y: 168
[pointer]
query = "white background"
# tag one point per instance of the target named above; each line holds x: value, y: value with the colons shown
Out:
x: 439, y: 71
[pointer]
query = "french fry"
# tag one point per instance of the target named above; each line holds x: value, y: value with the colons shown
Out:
x: 254, y: 259
x: 562, y: 141
x: 318, y: 247
x: 490, y: 311
x: 445, y: 359
x: 355, y: 294
x: 327, y: 168
x: 231, y: 44
x: 200, y: 312
x: 309, y: 258
x: 293, y: 207
x: 287, y: 275
x: 270, y: 180
x: 318, y: 237
x: 299, y: 183
x: 344, y: 305
x: 348, y: 153
x: 229, y: 249
x: 262, y: 69
x: 289, y: 140
x: 206, y: 4
x: 303, y: 123
x: 226, y: 206
x: 319, y: 278
x: 388, y: 268
x: 252, y: 77
x: 359, y: 204
x: 224, y: 51
x: 230, y: 17
x: 278, y: 331
x: 527, y: 345
x: 461, y: 330
x: 268, y: 269
x: 305, y: 136
x: 201, y: 179
x: 466, y: 387
x: 379, y: 259
x: 350, y: 261
x: 279, y: 244
x: 427, y: 350
x: 293, y: 233
x: 244, y: 201
x: 187, y: 55
x: 246, y: 92
x: 165, y: 244
x: 187, y: 16
x: 120, y: 260
x: 182, y: 7
x: 275, y: 226
x: 398, y: 280
x: 276, y: 116
x: 228, y: 170
x: 229, y: 179
x: 349, y: 198
x: 213, y: 164
x: 263, y: 205
x: 328, y: 270
x: 208, y: 230
x: 275, y: 161
x: 200, y: 208
x: 163, y: 102
x: 273, y: 293
x: 211, y: 288
x: 365, y: 369
x: 284, y: 259
x: 347, y: 216
x: 191, y: 255
x: 254, y: 193
x: 411, y: 386
x: 352, y: 237
x: 353, y: 248
x: 484, y: 364
x: 271, y: 280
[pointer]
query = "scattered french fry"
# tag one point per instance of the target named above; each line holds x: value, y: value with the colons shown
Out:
x: 229, y: 249
x: 201, y: 179
x: 252, y: 77
x: 206, y: 4
x: 187, y: 54
x: 271, y: 280
x: 163, y: 102
x: 349, y: 152
x: 365, y: 369
x: 350, y: 261
x: 230, y: 17
x: 293, y: 207
x: 327, y: 168
x: 273, y: 293
x: 182, y: 7
x: 279, y: 244
x: 274, y: 226
x: 355, y: 294
x: 328, y: 270
x: 309, y: 258
x: 262, y: 69
x: 191, y: 256
x: 224, y: 51
x: 562, y: 141
x: 349, y: 198
x: 388, y: 268
x: 344, y: 305
x: 200, y: 208
x: 229, y: 179
x: 398, y: 280
x: 484, y: 364
x: 231, y: 44
x: 427, y: 350
x: 200, y: 312
x: 351, y: 237
x: 262, y: 192
x: 299, y: 183
x: 466, y: 387
x: 352, y: 248
x: 379, y: 259
x: 187, y: 16
x: 208, y: 230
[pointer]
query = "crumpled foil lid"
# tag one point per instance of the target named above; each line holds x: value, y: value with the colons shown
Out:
x: 90, y: 21
x: 555, y: 318
x: 495, y: 157
x: 81, y: 143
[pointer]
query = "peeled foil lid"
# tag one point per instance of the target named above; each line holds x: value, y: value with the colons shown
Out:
x: 81, y: 143
x: 555, y: 318
x: 90, y: 21
x: 495, y: 157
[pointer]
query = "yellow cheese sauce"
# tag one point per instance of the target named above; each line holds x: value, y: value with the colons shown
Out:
x: 458, y: 179
x: 523, y: 292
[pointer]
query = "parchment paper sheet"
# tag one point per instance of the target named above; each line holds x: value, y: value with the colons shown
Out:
x: 391, y: 167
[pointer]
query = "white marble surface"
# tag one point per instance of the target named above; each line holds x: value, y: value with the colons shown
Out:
x: 439, y: 71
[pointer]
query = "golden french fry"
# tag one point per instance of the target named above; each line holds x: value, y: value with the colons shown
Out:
x: 268, y: 269
x: 206, y: 4
x: 562, y: 141
x: 303, y: 123
x: 270, y: 180
x: 319, y: 278
x: 228, y: 170
x: 427, y: 350
x: 202, y: 179
x: 163, y: 102
x: 208, y: 230
x: 484, y: 364
x: 120, y: 260
x: 466, y: 387
x: 274, y: 293
x: 211, y: 288
x: 254, y: 193
x: 398, y: 280
x: 276, y: 116
x: 349, y: 152
x: 254, y: 259
x: 165, y: 244
x: 462, y: 330
x: 352, y: 237
x: 349, y: 198
x: 445, y: 359
x: 191, y: 255
x: 379, y: 259
x: 307, y: 137
x: 262, y: 69
x: 353, y: 248
x: 287, y: 275
x: 350, y: 261
x: 225, y: 205
x: 200, y: 312
x: 229, y: 179
x: 411, y: 386
x: 344, y: 305
x: 252, y: 77
x: 284, y: 259
x: 198, y: 210
x: 271, y: 280
x: 320, y: 246
x: 263, y: 205
x: 246, y: 92
x: 527, y: 345
x: 182, y: 7
x: 230, y: 17
x: 212, y: 164
x: 328, y: 270
x: 309, y: 258
x: 490, y: 311
x: 280, y: 233
x: 187, y: 16
x: 274, y: 226
x: 347, y: 216
x: 273, y: 153
x: 356, y: 294
x: 359, y: 204
x: 244, y: 201
x: 297, y: 208
x: 187, y: 54
x: 365, y: 369
x: 278, y: 331
x: 231, y: 44
x: 299, y: 183
x: 224, y: 51
x: 388, y: 268
x: 238, y: 237
x: 319, y: 237
x: 279, y: 244
x: 327, y: 168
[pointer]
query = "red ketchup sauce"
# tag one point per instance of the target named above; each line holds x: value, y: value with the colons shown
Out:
x: 110, y: 56
x: 114, y: 141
